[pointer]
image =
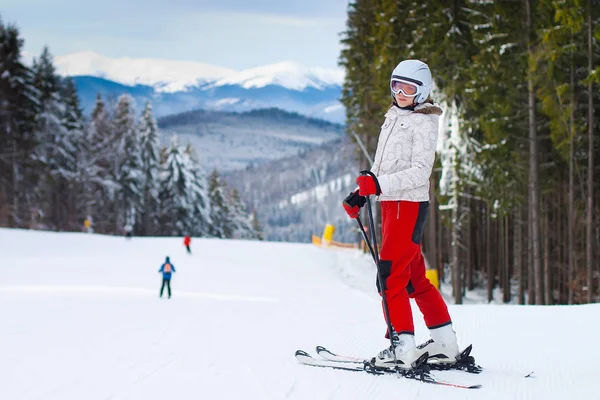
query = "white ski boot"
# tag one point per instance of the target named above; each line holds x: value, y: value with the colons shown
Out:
x: 405, y: 351
x: 442, y: 347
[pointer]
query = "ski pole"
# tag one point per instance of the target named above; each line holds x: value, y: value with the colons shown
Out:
x: 386, y: 310
x: 365, y: 238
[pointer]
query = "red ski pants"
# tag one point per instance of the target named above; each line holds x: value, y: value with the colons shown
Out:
x: 403, y: 267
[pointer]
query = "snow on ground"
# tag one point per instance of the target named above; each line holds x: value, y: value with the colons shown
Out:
x: 81, y: 319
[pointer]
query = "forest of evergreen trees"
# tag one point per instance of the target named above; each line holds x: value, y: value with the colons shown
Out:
x: 519, y: 82
x: 59, y: 167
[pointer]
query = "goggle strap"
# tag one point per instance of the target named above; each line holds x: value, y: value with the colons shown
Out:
x: 404, y: 78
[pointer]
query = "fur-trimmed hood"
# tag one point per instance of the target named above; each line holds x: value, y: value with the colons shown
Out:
x: 429, y: 108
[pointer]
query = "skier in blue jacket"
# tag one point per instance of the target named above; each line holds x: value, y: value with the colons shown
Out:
x: 167, y: 269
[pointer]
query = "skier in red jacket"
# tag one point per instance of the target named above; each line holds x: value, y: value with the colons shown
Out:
x: 186, y: 242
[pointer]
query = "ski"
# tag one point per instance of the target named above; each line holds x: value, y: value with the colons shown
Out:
x: 328, y: 355
x: 465, y: 366
x: 420, y: 373
x: 464, y: 361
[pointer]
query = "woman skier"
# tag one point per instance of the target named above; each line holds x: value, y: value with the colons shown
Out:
x: 400, y: 178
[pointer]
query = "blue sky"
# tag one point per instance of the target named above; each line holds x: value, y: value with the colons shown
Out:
x: 237, y: 34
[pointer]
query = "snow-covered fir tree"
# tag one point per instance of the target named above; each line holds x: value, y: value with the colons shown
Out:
x: 222, y: 225
x: 18, y: 102
x: 147, y: 219
x: 94, y: 166
x: 126, y: 163
x: 240, y: 218
x: 256, y: 228
x: 55, y: 150
x: 198, y: 194
x: 72, y: 122
x: 175, y: 210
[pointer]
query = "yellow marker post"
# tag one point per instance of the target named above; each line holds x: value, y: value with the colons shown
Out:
x: 432, y: 275
x: 328, y: 233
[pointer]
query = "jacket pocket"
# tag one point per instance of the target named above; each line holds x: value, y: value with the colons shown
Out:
x: 417, y: 235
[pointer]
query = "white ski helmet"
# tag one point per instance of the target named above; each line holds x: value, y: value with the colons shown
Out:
x: 416, y: 72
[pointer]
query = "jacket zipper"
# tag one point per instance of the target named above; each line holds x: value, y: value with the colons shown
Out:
x: 398, y: 213
x: 385, y: 144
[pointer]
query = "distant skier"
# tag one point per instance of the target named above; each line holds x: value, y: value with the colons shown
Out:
x: 87, y: 225
x: 167, y: 269
x: 186, y: 242
x: 128, y: 231
x: 400, y: 178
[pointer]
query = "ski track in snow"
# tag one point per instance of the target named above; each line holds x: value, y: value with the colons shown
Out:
x: 82, y: 320
x: 124, y: 291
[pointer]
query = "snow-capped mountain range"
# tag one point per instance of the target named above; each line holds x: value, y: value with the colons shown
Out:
x: 178, y: 86
x: 163, y: 75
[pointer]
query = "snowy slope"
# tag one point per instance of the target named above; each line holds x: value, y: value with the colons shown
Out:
x: 82, y: 320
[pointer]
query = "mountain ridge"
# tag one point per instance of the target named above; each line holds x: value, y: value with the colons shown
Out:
x: 178, y: 86
x: 173, y: 76
x: 315, y: 103
x: 235, y: 140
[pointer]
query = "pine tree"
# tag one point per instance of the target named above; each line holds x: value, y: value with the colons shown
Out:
x: 560, y: 55
x: 150, y: 164
x: 361, y: 92
x: 126, y: 162
x: 95, y: 162
x: 494, y: 107
x: 17, y: 131
x: 240, y: 219
x: 220, y: 214
x: 73, y: 124
x: 175, y: 215
x: 199, y: 198
x: 258, y: 234
x: 55, y: 151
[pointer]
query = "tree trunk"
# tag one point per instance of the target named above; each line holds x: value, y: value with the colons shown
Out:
x: 488, y: 255
x: 561, y: 241
x: 499, y: 253
x: 432, y: 244
x: 571, y: 189
x: 506, y: 292
x: 590, y: 180
x: 469, y: 247
x: 534, y: 203
x: 441, y: 252
x: 456, y: 226
x: 547, y: 274
x: 456, y: 281
x: 530, y: 270
x: 565, y: 241
x: 518, y: 237
x: 14, y: 220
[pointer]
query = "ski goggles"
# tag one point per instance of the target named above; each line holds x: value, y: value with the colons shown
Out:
x: 408, y: 89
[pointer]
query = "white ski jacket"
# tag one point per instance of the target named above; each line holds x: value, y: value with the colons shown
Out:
x: 406, y: 152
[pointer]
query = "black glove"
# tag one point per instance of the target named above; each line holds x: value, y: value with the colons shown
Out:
x: 353, y: 203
